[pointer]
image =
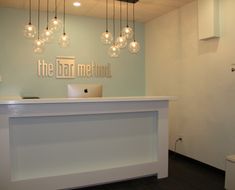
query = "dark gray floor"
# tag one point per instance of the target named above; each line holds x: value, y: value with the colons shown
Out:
x: 184, y: 174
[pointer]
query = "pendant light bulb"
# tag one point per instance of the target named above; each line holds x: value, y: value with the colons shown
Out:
x: 38, y: 50
x: 114, y: 51
x: 121, y: 42
x: 64, y: 40
x: 38, y: 46
x: 106, y: 38
x: 38, y: 43
x: 47, y: 35
x: 55, y: 24
x: 134, y: 47
x: 127, y: 32
x: 30, y: 31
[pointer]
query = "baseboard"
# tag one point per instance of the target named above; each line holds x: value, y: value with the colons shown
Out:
x: 177, y: 155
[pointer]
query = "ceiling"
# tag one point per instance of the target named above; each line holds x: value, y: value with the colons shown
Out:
x: 145, y: 10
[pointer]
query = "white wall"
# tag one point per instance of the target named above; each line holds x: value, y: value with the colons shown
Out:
x: 199, y: 74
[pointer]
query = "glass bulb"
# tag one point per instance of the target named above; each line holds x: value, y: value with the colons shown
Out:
x: 47, y: 35
x: 127, y: 32
x: 134, y: 47
x: 106, y: 38
x: 38, y: 43
x: 38, y: 46
x: 64, y: 40
x: 55, y: 24
x: 38, y: 49
x: 121, y: 42
x: 114, y: 51
x: 29, y: 31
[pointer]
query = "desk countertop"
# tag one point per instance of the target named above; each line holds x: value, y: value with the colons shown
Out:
x: 10, y: 101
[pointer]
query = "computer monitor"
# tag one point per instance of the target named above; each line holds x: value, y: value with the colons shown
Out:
x: 84, y: 90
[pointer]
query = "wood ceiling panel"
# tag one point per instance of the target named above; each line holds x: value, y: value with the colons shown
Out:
x: 145, y: 9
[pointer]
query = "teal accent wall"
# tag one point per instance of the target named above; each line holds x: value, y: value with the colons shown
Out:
x: 18, y: 63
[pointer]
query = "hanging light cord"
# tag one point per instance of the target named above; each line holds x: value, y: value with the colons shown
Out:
x: 55, y: 8
x: 47, y: 13
x: 38, y: 18
x: 114, y: 21
x: 134, y: 21
x: 106, y: 16
x: 127, y: 14
x: 30, y: 12
x: 120, y: 18
x: 64, y: 19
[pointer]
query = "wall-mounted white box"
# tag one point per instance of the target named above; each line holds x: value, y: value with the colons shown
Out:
x: 208, y: 19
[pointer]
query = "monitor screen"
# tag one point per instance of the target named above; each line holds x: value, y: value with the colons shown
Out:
x: 84, y: 90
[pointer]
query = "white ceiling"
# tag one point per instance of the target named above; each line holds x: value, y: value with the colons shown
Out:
x: 145, y: 10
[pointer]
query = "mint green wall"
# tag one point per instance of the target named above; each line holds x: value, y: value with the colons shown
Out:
x: 18, y: 64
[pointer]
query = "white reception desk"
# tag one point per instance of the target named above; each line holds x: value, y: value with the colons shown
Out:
x: 50, y: 144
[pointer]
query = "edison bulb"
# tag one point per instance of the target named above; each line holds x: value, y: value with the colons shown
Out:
x: 64, y: 40
x: 127, y: 32
x: 29, y: 31
x: 106, y: 38
x: 47, y: 35
x: 114, y: 51
x: 134, y: 47
x: 55, y: 24
x: 121, y: 42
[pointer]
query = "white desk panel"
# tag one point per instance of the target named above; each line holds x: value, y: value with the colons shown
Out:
x: 54, y: 144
